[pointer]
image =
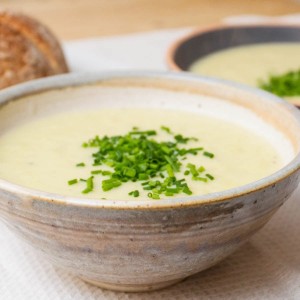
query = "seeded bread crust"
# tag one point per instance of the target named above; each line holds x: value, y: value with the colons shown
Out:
x: 28, y: 50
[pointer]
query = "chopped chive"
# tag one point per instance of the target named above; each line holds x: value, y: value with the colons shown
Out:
x: 208, y: 154
x: 168, y: 194
x: 152, y: 183
x: 166, y: 149
x: 169, y: 170
x: 200, y: 179
x: 89, y: 185
x: 129, y: 172
x: 147, y: 188
x: 187, y: 172
x: 106, y: 173
x: 210, y: 176
x: 193, y: 170
x: 187, y: 191
x: 181, y: 180
x: 171, y: 163
x: 143, y: 176
x: 172, y: 190
x: 201, y: 169
x: 109, y: 184
x: 80, y: 164
x: 147, y: 132
x: 96, y: 172
x: 72, y: 181
x: 134, y: 193
x: 166, y: 129
x: 183, y: 140
x: 155, y: 196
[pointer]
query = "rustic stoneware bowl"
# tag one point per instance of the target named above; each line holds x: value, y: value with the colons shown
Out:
x: 145, y: 244
x: 185, y: 51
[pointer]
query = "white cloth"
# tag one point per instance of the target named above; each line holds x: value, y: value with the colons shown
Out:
x: 267, y: 267
x: 136, y: 51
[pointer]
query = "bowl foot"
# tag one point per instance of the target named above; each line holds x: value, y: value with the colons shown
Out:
x: 132, y: 287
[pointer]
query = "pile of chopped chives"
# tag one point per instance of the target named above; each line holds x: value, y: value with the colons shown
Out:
x: 283, y: 85
x: 138, y: 157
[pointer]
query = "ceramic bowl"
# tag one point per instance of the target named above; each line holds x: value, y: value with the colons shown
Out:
x: 146, y: 244
x: 184, y: 52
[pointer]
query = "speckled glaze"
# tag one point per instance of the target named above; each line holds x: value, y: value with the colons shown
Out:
x: 146, y: 245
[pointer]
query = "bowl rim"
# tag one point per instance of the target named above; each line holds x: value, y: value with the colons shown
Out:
x: 174, y: 46
x: 82, y: 79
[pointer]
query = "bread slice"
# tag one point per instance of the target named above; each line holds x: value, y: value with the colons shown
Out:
x: 28, y: 50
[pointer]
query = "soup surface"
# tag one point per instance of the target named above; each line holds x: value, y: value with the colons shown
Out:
x: 42, y: 154
x: 250, y: 64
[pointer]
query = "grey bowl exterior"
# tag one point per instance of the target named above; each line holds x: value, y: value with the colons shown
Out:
x: 134, y: 250
x: 140, y: 248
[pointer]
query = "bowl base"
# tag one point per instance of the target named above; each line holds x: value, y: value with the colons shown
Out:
x: 133, y: 288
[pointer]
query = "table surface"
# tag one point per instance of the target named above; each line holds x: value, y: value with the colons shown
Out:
x: 73, y: 19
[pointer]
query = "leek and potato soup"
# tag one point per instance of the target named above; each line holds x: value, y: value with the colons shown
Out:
x: 274, y: 67
x: 187, y: 145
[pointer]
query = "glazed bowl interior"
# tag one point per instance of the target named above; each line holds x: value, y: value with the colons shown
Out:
x: 80, y: 92
x: 186, y: 51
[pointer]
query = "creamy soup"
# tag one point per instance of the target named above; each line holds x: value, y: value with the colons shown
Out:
x: 42, y: 154
x: 251, y: 63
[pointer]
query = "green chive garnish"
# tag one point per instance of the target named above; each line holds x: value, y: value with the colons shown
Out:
x: 138, y: 157
x: 95, y: 172
x: 187, y: 191
x: 110, y: 184
x: 208, y: 154
x: 193, y: 169
x: 89, y: 185
x: 106, y: 173
x: 201, y: 169
x: 129, y: 172
x: 169, y: 194
x: 135, y: 193
x: 72, y: 181
x: 143, y: 176
x: 80, y: 164
x: 170, y: 170
x: 166, y: 129
x: 283, y: 85
x: 200, y: 179
x: 147, y: 132
x: 155, y: 196
x: 210, y: 176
